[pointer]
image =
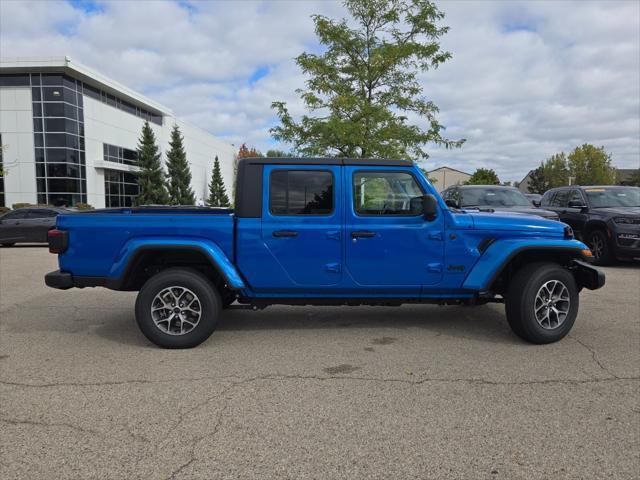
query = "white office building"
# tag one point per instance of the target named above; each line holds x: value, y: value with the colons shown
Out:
x: 69, y: 135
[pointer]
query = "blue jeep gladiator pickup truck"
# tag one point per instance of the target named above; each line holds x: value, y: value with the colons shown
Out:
x: 330, y: 231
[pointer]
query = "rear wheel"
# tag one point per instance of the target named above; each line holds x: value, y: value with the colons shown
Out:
x: 542, y: 303
x: 178, y: 308
x: 599, y: 244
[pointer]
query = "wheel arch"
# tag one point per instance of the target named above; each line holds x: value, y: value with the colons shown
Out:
x: 142, y: 261
x: 502, y: 259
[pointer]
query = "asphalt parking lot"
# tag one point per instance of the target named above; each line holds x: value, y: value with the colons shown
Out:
x: 296, y: 392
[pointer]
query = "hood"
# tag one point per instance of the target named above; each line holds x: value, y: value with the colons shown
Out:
x: 618, y: 211
x: 540, y: 212
x: 515, y: 221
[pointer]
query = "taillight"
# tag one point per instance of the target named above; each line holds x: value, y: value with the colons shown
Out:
x: 57, y: 240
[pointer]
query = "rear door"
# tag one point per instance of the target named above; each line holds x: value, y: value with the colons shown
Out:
x: 37, y: 224
x: 390, y: 247
x: 302, y: 225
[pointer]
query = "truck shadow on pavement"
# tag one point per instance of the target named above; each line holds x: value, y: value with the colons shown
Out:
x: 483, y: 324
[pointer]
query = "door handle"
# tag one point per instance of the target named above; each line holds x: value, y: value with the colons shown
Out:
x: 362, y: 234
x: 285, y: 233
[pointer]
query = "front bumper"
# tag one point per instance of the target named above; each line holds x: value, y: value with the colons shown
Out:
x: 626, y: 241
x: 587, y: 275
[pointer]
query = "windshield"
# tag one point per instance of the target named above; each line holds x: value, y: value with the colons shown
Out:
x: 494, y: 197
x: 603, y: 197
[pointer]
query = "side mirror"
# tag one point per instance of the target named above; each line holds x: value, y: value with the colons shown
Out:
x: 429, y: 207
x: 452, y: 203
x: 536, y: 203
x: 576, y: 204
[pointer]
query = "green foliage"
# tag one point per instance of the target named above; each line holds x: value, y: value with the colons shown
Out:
x: 15, y: 206
x: 483, y: 176
x: 151, y: 175
x: 555, y: 170
x: 538, y: 183
x: 83, y: 206
x: 217, y: 191
x: 178, y: 173
x: 585, y: 165
x: 362, y: 90
x: 589, y: 165
x: 278, y: 154
x: 4, y: 210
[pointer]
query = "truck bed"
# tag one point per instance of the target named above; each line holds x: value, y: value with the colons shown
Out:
x: 98, y: 239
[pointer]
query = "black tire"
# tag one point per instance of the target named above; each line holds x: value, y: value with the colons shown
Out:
x: 600, y: 247
x: 8, y: 244
x: 521, y: 301
x: 207, y: 295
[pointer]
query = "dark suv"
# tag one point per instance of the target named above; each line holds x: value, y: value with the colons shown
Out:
x: 27, y: 225
x: 493, y: 197
x: 606, y: 218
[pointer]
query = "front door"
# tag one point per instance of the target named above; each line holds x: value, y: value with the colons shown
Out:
x: 391, y: 247
x: 302, y: 225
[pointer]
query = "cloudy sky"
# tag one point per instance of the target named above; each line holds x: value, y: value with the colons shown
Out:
x: 527, y: 79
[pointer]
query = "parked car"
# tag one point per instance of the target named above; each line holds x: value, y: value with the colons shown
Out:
x: 607, y: 218
x: 493, y: 197
x: 27, y: 225
x: 534, y: 198
x: 324, y: 232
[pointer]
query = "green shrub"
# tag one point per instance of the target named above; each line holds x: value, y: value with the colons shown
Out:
x: 15, y: 206
x: 83, y: 206
x: 4, y: 210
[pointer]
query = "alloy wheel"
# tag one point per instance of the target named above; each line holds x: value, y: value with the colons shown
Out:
x: 552, y: 304
x: 176, y: 310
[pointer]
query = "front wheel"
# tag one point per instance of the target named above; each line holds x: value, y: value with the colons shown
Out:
x: 599, y: 244
x: 178, y: 308
x: 542, y: 303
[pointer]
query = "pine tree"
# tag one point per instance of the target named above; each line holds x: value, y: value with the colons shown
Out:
x: 151, y: 176
x: 217, y: 191
x: 178, y: 173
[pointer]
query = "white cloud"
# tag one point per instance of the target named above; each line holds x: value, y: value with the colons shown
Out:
x: 527, y: 79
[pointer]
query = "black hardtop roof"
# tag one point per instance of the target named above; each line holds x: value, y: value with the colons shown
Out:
x: 378, y: 162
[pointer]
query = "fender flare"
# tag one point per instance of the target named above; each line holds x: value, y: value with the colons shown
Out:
x: 134, y: 247
x: 498, y: 255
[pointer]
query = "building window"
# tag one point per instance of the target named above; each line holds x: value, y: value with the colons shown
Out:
x: 113, y: 153
x: 120, y: 188
x: 58, y: 124
x: 1, y: 176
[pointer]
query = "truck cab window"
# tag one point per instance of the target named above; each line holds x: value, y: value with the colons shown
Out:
x: 301, y: 192
x: 384, y: 193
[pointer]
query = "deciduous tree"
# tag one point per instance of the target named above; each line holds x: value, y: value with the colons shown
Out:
x: 538, y: 183
x: 363, y: 93
x: 590, y: 165
x: 484, y: 176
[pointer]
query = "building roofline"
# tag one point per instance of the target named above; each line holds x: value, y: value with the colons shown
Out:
x: 454, y: 169
x: 82, y: 72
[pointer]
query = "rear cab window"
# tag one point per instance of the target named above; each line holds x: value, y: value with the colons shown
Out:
x: 301, y: 192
